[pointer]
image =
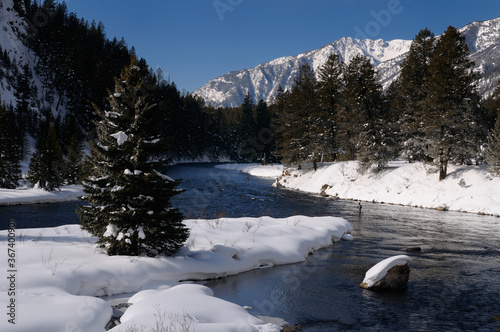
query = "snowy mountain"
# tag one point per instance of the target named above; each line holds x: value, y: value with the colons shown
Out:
x: 13, y: 30
x: 13, y: 27
x: 483, y: 40
x: 262, y: 81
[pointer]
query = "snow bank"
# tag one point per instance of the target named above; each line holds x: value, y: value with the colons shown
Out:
x: 379, y: 270
x: 33, y: 195
x: 269, y: 171
x: 466, y: 188
x: 189, y: 307
x: 60, y: 271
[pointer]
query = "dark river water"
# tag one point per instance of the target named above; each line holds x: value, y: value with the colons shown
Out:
x: 454, y: 282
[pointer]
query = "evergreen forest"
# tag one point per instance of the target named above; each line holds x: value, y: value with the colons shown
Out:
x: 431, y: 113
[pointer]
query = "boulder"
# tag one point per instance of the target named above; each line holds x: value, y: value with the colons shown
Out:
x: 390, y: 274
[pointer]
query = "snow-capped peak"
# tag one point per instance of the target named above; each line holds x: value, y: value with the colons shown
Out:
x: 262, y: 81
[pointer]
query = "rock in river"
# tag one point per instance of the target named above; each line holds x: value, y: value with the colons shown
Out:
x: 390, y: 274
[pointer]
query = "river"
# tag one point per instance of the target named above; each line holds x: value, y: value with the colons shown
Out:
x: 454, y: 280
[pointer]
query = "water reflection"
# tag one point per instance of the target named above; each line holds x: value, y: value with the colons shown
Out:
x: 453, y: 283
x: 39, y: 215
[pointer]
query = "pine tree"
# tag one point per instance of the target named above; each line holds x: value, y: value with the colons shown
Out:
x: 451, y: 112
x: 130, y: 209
x: 46, y: 166
x: 411, y: 94
x: 492, y: 106
x: 284, y: 124
x: 24, y: 94
x: 493, y: 149
x: 246, y: 146
x: 297, y: 123
x: 263, y: 132
x: 10, y: 158
x: 307, y: 139
x: 363, y: 123
x: 330, y: 90
x: 354, y: 112
x: 74, y: 166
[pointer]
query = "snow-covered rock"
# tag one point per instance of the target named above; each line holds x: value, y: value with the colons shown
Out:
x: 390, y: 274
x: 262, y: 81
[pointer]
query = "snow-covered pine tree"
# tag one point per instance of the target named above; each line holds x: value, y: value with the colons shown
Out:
x: 10, y: 156
x: 129, y: 195
x: 493, y: 149
x: 451, y: 117
x: 46, y: 166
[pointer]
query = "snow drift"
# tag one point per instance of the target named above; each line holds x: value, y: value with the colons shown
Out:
x: 61, y: 273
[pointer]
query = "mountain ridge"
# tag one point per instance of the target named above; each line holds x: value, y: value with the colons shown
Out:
x: 263, y: 80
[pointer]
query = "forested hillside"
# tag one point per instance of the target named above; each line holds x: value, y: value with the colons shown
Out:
x: 57, y: 69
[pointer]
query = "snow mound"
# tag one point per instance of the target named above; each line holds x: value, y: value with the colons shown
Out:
x: 378, y: 271
x: 206, y: 312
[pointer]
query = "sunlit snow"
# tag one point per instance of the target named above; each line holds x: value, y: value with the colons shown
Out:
x: 378, y: 271
x: 465, y: 189
x: 120, y: 137
x: 63, y: 272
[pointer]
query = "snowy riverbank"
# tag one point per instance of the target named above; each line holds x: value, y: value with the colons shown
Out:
x: 466, y: 188
x: 268, y: 171
x: 59, y: 273
x: 27, y: 195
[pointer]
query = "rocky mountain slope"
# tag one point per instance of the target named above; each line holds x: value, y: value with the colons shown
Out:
x: 262, y: 81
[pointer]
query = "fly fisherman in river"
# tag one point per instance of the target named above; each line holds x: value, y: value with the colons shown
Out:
x: 359, y: 207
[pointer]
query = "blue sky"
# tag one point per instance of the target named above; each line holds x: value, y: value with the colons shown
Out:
x: 194, y: 41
